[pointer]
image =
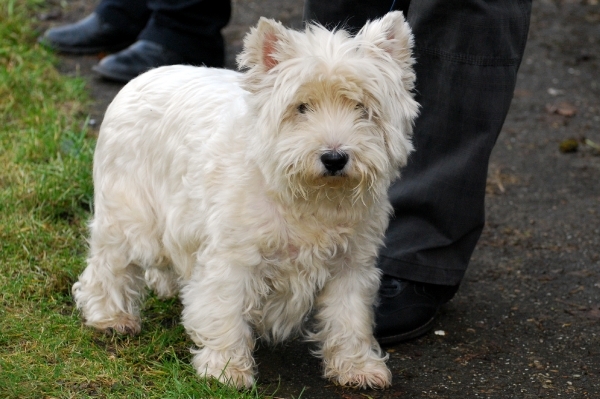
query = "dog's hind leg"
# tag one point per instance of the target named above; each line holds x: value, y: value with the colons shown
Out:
x: 163, y: 281
x: 110, y: 289
x: 350, y: 353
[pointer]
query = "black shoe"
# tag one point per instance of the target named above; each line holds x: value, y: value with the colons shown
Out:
x: 136, y: 59
x: 91, y: 35
x: 407, y: 309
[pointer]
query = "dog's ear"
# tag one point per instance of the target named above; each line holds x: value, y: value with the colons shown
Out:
x: 264, y: 45
x: 385, y: 39
x: 392, y: 34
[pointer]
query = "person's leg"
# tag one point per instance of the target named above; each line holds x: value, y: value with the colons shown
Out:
x: 114, y: 25
x: 178, y: 32
x: 467, y: 55
x: 131, y: 13
x: 191, y: 28
x: 349, y: 14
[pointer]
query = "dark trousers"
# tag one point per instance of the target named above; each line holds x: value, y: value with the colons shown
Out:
x: 191, y: 28
x: 468, y: 53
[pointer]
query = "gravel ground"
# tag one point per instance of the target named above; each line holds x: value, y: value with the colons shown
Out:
x: 526, y: 322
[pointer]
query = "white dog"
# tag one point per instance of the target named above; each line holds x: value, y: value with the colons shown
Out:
x: 260, y: 196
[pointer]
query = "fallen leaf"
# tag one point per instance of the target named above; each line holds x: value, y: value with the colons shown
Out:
x: 563, y: 109
x: 590, y: 143
x: 576, y: 290
x: 582, y: 273
x: 569, y: 145
x: 594, y: 313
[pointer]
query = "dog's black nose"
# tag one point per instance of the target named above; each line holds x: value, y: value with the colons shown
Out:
x: 334, y: 161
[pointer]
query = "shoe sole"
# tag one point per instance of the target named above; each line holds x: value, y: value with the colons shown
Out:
x: 83, y: 50
x: 111, y: 75
x: 395, y: 339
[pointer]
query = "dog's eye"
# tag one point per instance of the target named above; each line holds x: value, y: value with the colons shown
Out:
x: 302, y: 108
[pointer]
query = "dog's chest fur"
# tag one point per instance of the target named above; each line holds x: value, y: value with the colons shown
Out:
x: 298, y: 257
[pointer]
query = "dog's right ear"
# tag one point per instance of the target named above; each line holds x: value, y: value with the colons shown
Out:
x: 265, y: 46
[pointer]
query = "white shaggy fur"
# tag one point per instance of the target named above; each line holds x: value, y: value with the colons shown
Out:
x: 211, y: 182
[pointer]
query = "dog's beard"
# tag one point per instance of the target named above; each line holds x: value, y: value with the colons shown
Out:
x: 355, y: 186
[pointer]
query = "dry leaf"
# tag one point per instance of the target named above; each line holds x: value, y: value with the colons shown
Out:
x: 563, y: 109
x: 568, y: 145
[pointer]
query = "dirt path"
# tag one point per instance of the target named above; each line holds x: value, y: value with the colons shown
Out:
x: 526, y: 322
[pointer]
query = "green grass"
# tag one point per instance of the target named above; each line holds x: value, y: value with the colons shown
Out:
x: 45, y: 200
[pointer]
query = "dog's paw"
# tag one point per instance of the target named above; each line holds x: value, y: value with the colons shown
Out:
x: 372, y: 374
x: 234, y: 372
x: 121, y: 324
x: 99, y: 312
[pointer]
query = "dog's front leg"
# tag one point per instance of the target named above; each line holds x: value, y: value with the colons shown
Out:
x: 214, y: 302
x: 350, y: 353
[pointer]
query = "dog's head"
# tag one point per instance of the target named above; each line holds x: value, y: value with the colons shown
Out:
x: 333, y: 113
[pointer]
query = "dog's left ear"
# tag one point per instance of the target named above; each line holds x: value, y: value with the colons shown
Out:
x: 392, y: 34
x: 265, y: 46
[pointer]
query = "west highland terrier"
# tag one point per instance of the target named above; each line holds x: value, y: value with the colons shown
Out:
x: 260, y: 197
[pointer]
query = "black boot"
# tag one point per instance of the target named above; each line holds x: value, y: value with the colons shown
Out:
x: 91, y: 35
x: 407, y: 309
x: 136, y: 59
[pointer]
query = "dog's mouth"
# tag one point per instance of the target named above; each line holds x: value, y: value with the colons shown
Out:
x: 334, y: 174
x: 333, y: 180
